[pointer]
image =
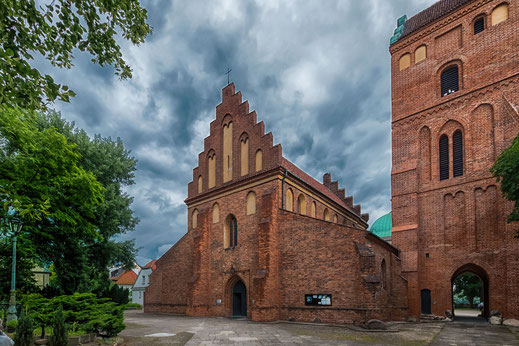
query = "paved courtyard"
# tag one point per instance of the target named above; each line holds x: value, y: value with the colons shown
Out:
x: 156, y: 329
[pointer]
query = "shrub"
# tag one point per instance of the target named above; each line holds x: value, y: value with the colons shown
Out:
x: 59, y: 335
x: 24, y: 331
x: 11, y: 324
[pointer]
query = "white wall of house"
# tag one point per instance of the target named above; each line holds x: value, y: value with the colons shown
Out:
x: 143, y: 280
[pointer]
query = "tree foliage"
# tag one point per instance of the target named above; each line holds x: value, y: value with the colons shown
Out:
x: 468, y: 285
x: 68, y: 189
x: 506, y: 169
x: 54, y: 31
x: 24, y: 331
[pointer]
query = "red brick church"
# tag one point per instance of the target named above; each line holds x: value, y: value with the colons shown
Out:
x: 267, y: 241
x: 455, y: 103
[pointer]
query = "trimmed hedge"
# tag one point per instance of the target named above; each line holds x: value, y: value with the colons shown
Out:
x: 82, y: 310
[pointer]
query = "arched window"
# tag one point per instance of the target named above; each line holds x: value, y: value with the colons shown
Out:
x: 313, y: 210
x: 420, y: 54
x: 244, y: 146
x: 301, y: 204
x: 216, y: 213
x: 444, y: 157
x: 200, y: 184
x: 383, y: 274
x: 457, y: 154
x: 230, y: 236
x: 289, y: 200
x: 227, y: 152
x: 251, y: 203
x: 259, y: 160
x: 450, y: 80
x: 479, y: 25
x: 211, y: 169
x: 500, y: 14
x: 326, y: 215
x: 405, y: 61
x: 194, y: 219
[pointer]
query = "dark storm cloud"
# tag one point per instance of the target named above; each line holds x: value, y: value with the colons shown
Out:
x: 317, y: 73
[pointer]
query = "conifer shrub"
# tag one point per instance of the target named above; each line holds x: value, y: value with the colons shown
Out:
x: 24, y: 331
x: 59, y: 336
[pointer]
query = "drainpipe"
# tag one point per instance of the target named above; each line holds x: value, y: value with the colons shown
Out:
x: 283, y: 190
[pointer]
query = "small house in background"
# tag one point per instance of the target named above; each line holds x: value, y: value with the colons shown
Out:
x: 143, y: 280
x: 123, y: 278
x: 42, y: 276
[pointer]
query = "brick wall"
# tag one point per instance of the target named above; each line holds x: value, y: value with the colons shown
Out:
x: 442, y: 226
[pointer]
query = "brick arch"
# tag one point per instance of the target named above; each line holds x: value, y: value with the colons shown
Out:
x: 482, y: 274
x: 226, y: 119
x: 449, y: 127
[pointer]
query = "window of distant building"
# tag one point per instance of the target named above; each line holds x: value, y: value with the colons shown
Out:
x: 479, y: 25
x: 143, y: 280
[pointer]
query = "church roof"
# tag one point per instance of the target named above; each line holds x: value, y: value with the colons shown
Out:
x: 430, y: 14
x: 382, y: 226
x: 292, y: 168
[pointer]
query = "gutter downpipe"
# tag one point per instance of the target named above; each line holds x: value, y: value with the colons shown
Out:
x: 283, y: 190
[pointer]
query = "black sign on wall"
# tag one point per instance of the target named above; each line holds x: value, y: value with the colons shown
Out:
x: 318, y: 299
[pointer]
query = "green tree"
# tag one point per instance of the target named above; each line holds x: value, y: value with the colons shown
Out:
x: 53, y: 31
x: 506, y: 169
x: 41, y: 178
x: 468, y: 285
x: 114, y: 167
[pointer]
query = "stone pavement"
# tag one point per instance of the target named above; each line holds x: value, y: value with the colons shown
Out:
x: 475, y: 331
x: 144, y: 329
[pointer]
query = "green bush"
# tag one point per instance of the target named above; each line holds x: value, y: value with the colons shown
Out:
x: 12, y: 324
x: 59, y: 336
x: 24, y: 331
x: 84, y: 311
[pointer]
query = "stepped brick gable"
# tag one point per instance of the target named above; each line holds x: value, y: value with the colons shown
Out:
x: 267, y: 241
x: 455, y: 96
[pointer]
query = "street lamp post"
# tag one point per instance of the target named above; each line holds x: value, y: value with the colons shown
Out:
x: 15, y: 225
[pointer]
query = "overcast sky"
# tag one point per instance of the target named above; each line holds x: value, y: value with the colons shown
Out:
x: 316, y: 72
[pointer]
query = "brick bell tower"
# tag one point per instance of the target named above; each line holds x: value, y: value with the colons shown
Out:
x: 455, y: 108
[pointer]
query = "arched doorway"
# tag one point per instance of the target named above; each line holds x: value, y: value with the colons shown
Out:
x: 239, y: 299
x: 469, y: 289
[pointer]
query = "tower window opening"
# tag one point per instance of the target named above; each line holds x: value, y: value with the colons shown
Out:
x: 457, y: 154
x: 449, y: 81
x: 479, y: 25
x: 444, y: 157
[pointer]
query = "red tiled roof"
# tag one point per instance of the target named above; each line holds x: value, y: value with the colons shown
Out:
x: 126, y: 278
x: 312, y: 182
x: 429, y: 15
x: 151, y: 265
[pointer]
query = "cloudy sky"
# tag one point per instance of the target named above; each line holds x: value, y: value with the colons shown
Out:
x: 316, y: 72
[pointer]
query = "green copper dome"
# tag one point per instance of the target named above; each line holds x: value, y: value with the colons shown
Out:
x: 382, y: 226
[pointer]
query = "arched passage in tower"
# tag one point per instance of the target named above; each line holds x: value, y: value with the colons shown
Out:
x: 475, y: 279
